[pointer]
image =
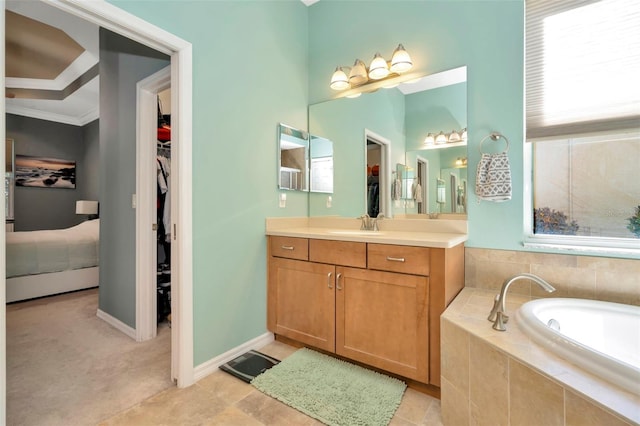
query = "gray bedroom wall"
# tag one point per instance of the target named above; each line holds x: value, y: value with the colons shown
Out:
x: 51, y: 208
x: 122, y: 64
x: 88, y: 169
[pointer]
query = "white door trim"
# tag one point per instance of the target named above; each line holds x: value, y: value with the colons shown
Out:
x: 117, y: 20
x: 384, y: 175
x: 423, y: 163
x: 146, y: 194
x: 3, y: 249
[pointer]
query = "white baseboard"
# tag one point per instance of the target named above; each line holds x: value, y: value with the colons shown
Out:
x: 203, y: 370
x: 117, y: 324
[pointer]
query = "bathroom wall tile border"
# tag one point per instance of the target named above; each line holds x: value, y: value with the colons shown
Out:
x: 586, y: 277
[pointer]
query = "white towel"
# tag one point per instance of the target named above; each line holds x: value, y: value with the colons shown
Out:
x: 493, y: 177
x: 417, y: 192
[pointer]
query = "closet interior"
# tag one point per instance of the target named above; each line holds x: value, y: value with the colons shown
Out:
x: 163, y: 205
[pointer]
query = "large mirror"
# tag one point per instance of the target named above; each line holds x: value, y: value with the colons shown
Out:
x: 398, y: 120
x: 293, y: 154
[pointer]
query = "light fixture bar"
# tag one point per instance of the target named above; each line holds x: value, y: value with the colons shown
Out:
x: 379, y: 69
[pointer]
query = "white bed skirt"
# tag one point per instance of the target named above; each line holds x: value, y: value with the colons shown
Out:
x: 31, y: 286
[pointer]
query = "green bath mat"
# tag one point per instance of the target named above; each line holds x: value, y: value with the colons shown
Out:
x: 332, y: 391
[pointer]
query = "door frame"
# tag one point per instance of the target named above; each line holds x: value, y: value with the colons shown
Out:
x: 423, y: 166
x: 146, y: 213
x: 121, y: 22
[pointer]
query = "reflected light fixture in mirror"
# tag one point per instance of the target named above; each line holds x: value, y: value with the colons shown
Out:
x: 430, y: 139
x: 441, y: 138
x: 379, y: 70
x: 454, y: 137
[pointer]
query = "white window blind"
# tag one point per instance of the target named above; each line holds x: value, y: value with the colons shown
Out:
x: 582, y: 66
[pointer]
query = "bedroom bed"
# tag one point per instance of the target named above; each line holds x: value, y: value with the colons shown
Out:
x: 43, y: 263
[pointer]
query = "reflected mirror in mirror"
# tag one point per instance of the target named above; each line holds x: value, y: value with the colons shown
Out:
x: 404, y: 116
x: 321, y: 164
x: 292, y: 158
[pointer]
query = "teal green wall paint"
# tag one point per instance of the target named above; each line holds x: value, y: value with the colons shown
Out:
x: 344, y: 121
x: 487, y: 36
x: 249, y: 73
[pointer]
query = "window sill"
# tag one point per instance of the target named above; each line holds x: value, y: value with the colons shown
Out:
x: 608, y: 247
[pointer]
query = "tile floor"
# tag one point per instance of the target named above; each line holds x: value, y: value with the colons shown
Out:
x: 221, y: 399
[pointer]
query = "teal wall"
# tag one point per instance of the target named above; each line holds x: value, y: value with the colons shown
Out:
x: 486, y: 36
x: 250, y: 72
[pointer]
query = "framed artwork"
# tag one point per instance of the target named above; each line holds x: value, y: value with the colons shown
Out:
x: 44, y: 172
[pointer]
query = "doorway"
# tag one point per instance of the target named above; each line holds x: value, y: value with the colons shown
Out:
x: 378, y: 181
x: 110, y: 17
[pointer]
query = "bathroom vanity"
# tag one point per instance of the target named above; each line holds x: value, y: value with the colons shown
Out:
x: 372, y: 297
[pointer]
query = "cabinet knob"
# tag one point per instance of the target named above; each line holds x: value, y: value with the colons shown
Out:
x: 329, y: 283
x: 395, y: 259
x: 287, y: 247
x: 338, y: 286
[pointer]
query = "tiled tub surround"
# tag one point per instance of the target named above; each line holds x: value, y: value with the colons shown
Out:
x: 584, y: 277
x: 502, y: 378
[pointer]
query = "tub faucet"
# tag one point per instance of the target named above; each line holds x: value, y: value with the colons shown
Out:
x: 497, y: 314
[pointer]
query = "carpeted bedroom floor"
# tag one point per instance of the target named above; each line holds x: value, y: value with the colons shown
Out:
x: 65, y: 366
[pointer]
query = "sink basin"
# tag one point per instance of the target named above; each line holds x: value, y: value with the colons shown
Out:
x: 358, y: 232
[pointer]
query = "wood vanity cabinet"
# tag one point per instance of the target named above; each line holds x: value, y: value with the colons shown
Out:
x: 378, y: 304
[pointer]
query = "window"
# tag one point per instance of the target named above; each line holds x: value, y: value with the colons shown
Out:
x: 583, y: 122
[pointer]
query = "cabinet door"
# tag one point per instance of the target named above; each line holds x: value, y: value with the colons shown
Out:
x: 382, y: 320
x: 302, y: 301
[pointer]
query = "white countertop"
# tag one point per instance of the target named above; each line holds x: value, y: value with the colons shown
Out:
x: 408, y: 232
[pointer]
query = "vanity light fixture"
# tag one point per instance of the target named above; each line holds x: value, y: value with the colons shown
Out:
x: 461, y: 161
x: 400, y: 61
x: 380, y: 69
x: 430, y: 139
x: 339, y: 80
x: 441, y: 138
x: 454, y: 137
x: 358, y: 74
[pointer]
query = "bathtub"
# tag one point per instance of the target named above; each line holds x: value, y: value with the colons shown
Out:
x: 601, y: 337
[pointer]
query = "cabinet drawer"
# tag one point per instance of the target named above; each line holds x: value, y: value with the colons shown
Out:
x: 289, y: 247
x: 344, y: 253
x: 405, y: 259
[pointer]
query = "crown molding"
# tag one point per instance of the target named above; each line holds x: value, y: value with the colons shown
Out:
x: 85, y: 118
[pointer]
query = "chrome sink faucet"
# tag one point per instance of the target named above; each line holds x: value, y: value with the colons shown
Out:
x: 366, y: 222
x: 497, y: 314
x: 374, y: 225
x: 369, y: 223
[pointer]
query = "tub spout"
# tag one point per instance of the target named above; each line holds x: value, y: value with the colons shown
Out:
x: 497, y: 314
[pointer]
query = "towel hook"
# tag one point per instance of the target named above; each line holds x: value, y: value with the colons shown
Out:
x: 494, y: 136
